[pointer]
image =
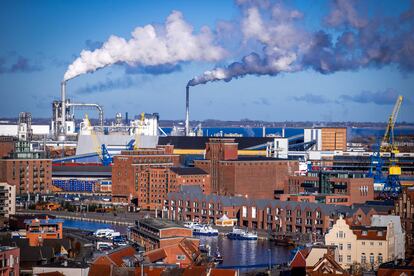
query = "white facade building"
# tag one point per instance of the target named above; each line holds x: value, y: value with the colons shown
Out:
x: 381, y: 220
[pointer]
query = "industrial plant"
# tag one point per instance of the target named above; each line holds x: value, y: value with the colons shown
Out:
x: 92, y: 193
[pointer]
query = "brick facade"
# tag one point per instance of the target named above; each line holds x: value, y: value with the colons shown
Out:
x: 149, y: 175
x: 338, y: 188
x: 404, y: 207
x: 9, y: 260
x: 6, y: 145
x: 273, y: 215
x: 141, y: 174
x: 28, y: 175
x: 255, y: 177
x: 152, y: 234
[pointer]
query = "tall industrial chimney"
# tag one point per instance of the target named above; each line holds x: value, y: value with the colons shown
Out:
x: 187, y: 110
x: 63, y: 95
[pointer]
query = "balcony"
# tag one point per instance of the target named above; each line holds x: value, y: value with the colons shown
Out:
x: 307, y: 185
x: 340, y: 186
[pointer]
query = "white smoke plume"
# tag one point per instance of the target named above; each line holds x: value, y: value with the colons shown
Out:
x: 352, y: 38
x: 174, y: 42
x: 275, y: 28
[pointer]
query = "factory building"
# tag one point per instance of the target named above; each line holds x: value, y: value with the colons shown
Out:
x: 335, y: 187
x: 327, y: 138
x: 252, y: 176
x: 82, y: 178
x: 147, y: 175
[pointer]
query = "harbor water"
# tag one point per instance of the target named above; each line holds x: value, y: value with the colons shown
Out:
x: 92, y: 226
x: 236, y: 253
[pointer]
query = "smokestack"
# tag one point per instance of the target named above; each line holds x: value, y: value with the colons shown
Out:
x: 63, y: 95
x: 187, y: 110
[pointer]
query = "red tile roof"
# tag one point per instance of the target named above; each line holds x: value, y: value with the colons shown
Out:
x: 299, y: 260
x: 117, y: 256
x: 371, y: 232
x: 156, y: 255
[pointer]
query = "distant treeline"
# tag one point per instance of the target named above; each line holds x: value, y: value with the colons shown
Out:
x: 241, y: 123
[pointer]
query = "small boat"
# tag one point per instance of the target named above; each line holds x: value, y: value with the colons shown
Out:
x: 249, y: 236
x: 204, y: 230
x: 240, y: 234
x: 282, y: 240
x: 189, y: 224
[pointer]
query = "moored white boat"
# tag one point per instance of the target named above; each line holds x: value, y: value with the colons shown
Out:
x: 201, y: 229
x: 240, y: 234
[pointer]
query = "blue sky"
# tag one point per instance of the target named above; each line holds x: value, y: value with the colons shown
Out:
x: 41, y: 38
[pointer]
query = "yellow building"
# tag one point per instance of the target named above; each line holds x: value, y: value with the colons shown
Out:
x: 333, y: 138
x: 365, y: 245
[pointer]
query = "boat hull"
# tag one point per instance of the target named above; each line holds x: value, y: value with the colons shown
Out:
x: 211, y: 234
x: 239, y: 237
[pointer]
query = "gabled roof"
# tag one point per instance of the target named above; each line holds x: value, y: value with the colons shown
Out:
x: 118, y: 255
x: 56, y: 244
x: 371, y: 232
x: 328, y: 265
x: 115, y: 257
x: 36, y: 253
x: 299, y: 260
x: 156, y: 255
x: 185, y: 245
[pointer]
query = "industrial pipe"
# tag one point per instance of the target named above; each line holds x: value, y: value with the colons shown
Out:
x: 97, y: 106
x: 187, y: 110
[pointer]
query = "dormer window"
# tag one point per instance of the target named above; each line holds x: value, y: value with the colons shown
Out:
x: 379, y: 233
x: 364, y: 232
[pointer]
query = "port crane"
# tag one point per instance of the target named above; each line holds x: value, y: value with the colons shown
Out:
x: 100, y: 149
x: 392, y: 185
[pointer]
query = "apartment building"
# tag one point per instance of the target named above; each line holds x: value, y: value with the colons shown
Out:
x: 7, y: 199
x: 336, y: 187
x: 147, y: 176
x: 38, y: 230
x: 272, y: 215
x: 26, y: 169
x: 404, y: 208
x: 365, y: 245
x: 9, y: 260
x: 138, y: 173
